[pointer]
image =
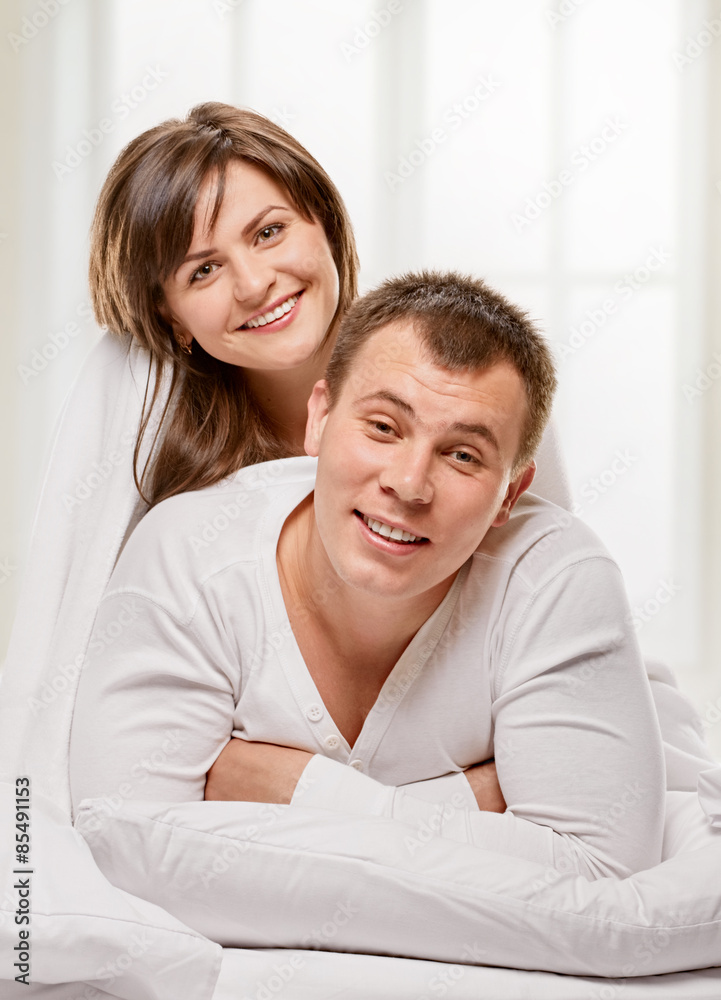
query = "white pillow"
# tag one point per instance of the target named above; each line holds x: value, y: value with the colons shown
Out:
x: 80, y: 927
x: 251, y: 875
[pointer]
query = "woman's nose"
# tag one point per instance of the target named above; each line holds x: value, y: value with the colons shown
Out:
x: 252, y: 279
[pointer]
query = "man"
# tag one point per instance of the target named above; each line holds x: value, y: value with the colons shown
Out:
x: 404, y: 610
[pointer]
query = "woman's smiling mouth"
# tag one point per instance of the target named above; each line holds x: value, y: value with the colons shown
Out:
x: 272, y: 315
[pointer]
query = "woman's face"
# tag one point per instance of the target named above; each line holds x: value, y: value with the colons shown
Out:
x: 260, y: 289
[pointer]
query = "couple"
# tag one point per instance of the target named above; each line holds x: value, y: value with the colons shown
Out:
x: 307, y: 627
x: 424, y: 609
x: 410, y: 649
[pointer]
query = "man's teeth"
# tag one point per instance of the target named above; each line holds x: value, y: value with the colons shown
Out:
x: 281, y: 310
x: 387, y: 532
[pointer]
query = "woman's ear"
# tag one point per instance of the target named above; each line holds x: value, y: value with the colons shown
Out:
x: 183, y: 339
x: 318, y: 408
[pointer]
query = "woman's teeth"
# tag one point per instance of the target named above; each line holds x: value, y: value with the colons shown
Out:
x: 281, y: 310
x: 396, y: 534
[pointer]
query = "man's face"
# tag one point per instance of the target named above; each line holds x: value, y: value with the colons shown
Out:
x: 414, y: 465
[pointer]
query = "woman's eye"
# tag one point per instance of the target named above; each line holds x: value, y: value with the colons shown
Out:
x: 382, y: 427
x: 203, y: 271
x: 268, y: 232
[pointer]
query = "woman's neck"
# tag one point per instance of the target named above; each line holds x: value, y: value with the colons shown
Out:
x: 283, y: 395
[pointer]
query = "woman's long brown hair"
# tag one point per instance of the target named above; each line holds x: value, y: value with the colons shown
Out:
x: 210, y: 424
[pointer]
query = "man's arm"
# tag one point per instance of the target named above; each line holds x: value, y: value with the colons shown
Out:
x: 582, y: 765
x: 155, y: 704
x: 264, y: 772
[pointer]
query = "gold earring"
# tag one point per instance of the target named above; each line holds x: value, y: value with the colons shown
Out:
x: 185, y: 348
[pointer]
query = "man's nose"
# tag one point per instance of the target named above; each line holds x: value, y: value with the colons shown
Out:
x: 409, y: 474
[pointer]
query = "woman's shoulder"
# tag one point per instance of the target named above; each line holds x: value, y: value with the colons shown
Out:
x: 198, y: 534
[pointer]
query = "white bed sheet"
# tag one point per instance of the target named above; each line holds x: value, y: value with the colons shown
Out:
x: 253, y: 975
x: 322, y: 975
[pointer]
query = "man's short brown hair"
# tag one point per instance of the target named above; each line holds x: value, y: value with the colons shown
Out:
x: 464, y: 325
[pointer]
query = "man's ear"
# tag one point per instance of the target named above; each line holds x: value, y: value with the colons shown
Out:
x: 515, y: 488
x: 318, y: 409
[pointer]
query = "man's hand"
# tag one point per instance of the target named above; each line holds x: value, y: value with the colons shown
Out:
x: 255, y: 772
x: 484, y: 783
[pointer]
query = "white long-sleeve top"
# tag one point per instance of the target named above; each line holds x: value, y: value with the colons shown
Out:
x: 531, y: 658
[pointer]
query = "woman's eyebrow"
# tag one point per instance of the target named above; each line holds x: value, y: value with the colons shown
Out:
x: 255, y: 221
x: 198, y: 255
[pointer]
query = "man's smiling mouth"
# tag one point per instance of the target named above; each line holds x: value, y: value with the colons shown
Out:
x: 387, y: 531
x: 273, y: 314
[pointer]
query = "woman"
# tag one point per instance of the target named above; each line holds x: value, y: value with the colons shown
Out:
x: 282, y: 240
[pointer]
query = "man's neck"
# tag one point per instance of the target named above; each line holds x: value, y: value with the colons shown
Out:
x: 358, y: 627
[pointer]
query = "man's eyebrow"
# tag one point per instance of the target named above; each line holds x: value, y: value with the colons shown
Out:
x: 255, y: 221
x: 389, y: 397
x: 480, y: 430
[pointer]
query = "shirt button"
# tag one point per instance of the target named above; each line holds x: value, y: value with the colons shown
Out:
x: 357, y: 764
x: 332, y: 742
x: 314, y: 712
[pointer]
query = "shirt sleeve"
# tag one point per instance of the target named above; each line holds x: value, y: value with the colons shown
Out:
x: 155, y: 705
x: 578, y: 748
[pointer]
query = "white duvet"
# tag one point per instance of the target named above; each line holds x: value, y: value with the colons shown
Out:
x: 133, y: 904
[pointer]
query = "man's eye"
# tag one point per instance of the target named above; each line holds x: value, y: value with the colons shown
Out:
x: 464, y: 458
x: 381, y: 427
